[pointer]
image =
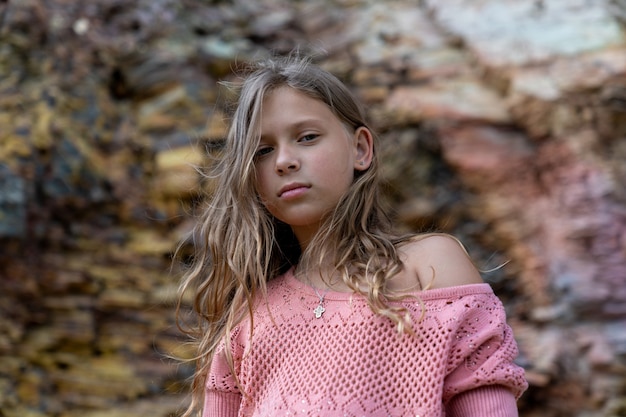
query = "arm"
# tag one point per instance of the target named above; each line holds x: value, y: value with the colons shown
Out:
x: 222, y: 396
x: 482, y: 378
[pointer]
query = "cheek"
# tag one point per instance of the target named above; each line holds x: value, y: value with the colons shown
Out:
x: 337, y: 167
x: 261, y: 185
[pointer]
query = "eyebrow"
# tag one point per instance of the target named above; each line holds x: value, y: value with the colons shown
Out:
x: 306, y: 122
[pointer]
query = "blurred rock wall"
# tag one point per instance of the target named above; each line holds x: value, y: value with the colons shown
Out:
x: 501, y: 121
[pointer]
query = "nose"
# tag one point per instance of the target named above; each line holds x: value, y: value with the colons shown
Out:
x: 286, y: 161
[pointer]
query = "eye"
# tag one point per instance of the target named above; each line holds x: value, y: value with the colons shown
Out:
x: 308, y: 138
x: 263, y: 151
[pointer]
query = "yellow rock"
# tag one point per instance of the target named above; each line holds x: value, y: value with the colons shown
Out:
x: 28, y: 388
x: 149, y: 242
x: 121, y: 298
x: 13, y: 147
x: 177, y: 172
x: 22, y: 412
x: 41, y: 135
x: 216, y: 127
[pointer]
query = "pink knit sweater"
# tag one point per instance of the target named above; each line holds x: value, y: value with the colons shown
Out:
x: 350, y: 362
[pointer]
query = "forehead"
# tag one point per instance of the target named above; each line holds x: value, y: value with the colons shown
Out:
x: 288, y: 106
x: 288, y: 95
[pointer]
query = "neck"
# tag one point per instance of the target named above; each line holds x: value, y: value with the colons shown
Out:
x: 324, y: 278
x: 305, y: 235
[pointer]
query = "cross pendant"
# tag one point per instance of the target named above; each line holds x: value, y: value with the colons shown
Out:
x: 319, y: 310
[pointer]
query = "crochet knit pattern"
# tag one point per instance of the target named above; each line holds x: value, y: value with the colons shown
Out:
x: 351, y: 362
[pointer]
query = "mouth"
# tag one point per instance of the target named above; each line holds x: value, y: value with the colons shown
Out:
x: 292, y: 190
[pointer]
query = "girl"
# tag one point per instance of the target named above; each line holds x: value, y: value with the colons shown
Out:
x: 307, y: 303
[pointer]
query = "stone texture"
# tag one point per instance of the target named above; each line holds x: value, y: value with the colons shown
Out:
x: 518, y: 33
x: 502, y: 122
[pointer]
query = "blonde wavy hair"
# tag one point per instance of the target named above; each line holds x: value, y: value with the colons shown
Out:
x: 239, y: 246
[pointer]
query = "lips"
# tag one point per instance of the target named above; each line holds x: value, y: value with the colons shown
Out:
x: 292, y: 190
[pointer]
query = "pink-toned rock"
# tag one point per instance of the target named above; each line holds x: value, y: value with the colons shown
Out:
x: 487, y: 155
x: 568, y: 75
x: 455, y: 99
x: 564, y: 216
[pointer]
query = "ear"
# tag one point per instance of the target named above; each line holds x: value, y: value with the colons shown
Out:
x: 363, y: 148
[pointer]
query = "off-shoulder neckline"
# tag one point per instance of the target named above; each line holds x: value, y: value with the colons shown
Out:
x: 432, y: 294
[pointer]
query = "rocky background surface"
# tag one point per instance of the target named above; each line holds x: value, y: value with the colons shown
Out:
x: 501, y: 121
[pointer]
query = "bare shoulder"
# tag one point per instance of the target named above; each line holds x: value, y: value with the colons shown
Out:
x: 439, y: 261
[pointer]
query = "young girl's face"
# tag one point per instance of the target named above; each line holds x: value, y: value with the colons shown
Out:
x: 305, y: 159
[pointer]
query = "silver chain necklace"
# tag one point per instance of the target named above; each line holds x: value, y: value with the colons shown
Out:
x: 319, y: 310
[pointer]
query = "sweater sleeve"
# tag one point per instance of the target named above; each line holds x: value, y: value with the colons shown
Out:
x: 488, y: 401
x: 481, y: 373
x: 221, y: 404
x: 222, y: 395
